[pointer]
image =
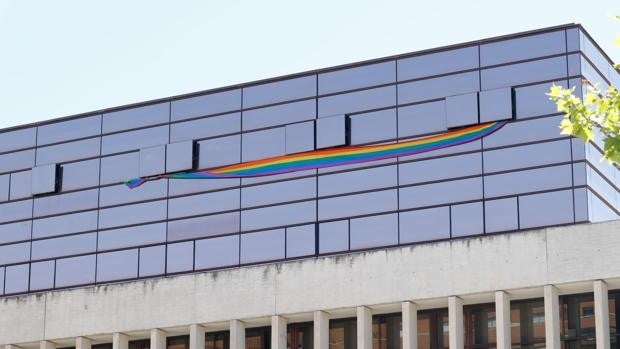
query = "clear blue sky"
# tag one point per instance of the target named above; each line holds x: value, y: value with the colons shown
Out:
x: 64, y: 57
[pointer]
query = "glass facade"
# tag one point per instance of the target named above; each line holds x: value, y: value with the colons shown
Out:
x: 80, y: 234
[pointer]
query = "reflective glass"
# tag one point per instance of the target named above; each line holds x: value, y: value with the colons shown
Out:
x: 132, y: 236
x: 526, y: 47
x: 16, y: 279
x: 212, y: 103
x: 140, y: 213
x: 218, y: 201
x: 300, y: 240
x: 279, y: 91
x: 422, y: 118
x: 440, y: 193
x: 42, y: 275
x: 188, y: 186
x: 118, y: 168
x: 120, y: 194
x: 78, y: 175
x: 334, y: 236
x: 357, y: 101
x: 425, y: 225
x: 67, y: 130
x: 357, y: 77
x: 501, y: 215
x: 180, y: 156
x: 12, y: 232
x: 519, y: 157
x: 299, y: 137
x: 1, y: 280
x: 152, y: 161
x: 496, y: 104
x: 16, y: 161
x: 279, y: 114
x: 523, y: 73
x: 75, y: 271
x: 263, y: 144
x: 343, y: 334
x: 64, y: 246
x: 331, y: 132
x: 21, y: 185
x: 12, y: 211
x: 152, y: 261
x: 280, y: 215
x: 532, y: 101
x: 262, y: 246
x: 266, y: 194
x: 525, y: 131
x: 217, y: 252
x: 117, y: 265
x: 528, y: 181
x: 219, y: 151
x: 357, y: 205
x: 75, y: 201
x: 438, y: 63
x: 360, y: 180
x: 136, y: 117
x: 422, y: 90
x: 134, y: 140
x: 18, y: 139
x: 192, y: 228
x: 14, y: 253
x: 580, y: 196
x: 4, y: 187
x: 467, y: 219
x: 65, y: 224
x: 440, y: 168
x: 462, y: 110
x: 45, y: 179
x: 374, y: 231
x: 546, y: 209
x: 205, y: 127
x: 374, y: 126
x: 180, y: 257
x: 64, y: 152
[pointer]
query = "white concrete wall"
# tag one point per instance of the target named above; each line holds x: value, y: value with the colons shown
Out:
x: 469, y: 266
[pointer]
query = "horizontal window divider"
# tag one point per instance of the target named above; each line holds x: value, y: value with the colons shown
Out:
x: 279, y: 103
x: 533, y: 59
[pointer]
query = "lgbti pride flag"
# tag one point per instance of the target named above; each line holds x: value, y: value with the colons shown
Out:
x: 334, y: 156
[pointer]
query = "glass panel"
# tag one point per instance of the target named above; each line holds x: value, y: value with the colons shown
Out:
x: 217, y: 252
x: 219, y: 151
x: 532, y: 101
x: 440, y: 193
x: 279, y: 91
x: 262, y: 246
x: 20, y: 160
x: 217, y: 340
x: 44, y: 179
x: 360, y: 180
x: 1, y: 280
x: 218, y: 224
x: 116, y: 169
x: 357, y: 101
x: 133, y: 140
x: 467, y: 219
x: 359, y: 204
x: 180, y: 342
x: 67, y: 130
x: 374, y: 231
x: 64, y: 246
x: 140, y: 213
x: 16, y: 279
x: 386, y: 332
x: 180, y: 257
x: 152, y: 161
x: 374, y: 126
x: 545, y: 209
x: 496, y: 104
x: 75, y: 271
x: 68, y: 151
x: 206, y: 127
x: 205, y: 105
x: 42, y: 275
x: 440, y: 168
x: 281, y: 215
x: 133, y: 236
x: 19, y: 231
x: 180, y: 156
x: 136, y: 117
x: 334, y: 236
x: 528, y: 181
x: 278, y: 192
x: 480, y: 327
x: 15, y: 253
x: 21, y: 185
x: 438, y: 63
x: 462, y: 110
x: 75, y: 201
x: 258, y: 338
x: 343, y: 334
x: 218, y: 201
x: 501, y: 215
x: 422, y: 118
x: 518, y: 157
x: 120, y: 194
x: 66, y: 224
x: 331, y: 132
x: 18, y: 139
x: 300, y: 336
x: 263, y: 144
x: 523, y: 73
x: 117, y: 265
x: 300, y: 137
x: 440, y: 87
x: 189, y: 186
x: 279, y: 115
x: 425, y: 225
x: 358, y: 77
x: 4, y: 187
x: 577, y: 318
x: 526, y: 47
x: 152, y: 261
x: 524, y: 132
x: 78, y: 175
x: 13, y: 211
x: 300, y: 240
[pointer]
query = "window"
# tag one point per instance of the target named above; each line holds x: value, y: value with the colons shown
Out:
x: 386, y: 332
x: 343, y: 334
x: 300, y: 336
x: 217, y: 340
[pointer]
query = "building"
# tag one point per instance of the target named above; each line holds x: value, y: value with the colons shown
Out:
x: 499, y: 242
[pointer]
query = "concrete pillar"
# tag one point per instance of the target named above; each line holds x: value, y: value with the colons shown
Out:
x: 552, y: 317
x: 502, y: 320
x: 601, y: 314
x: 410, y: 325
x: 47, y: 345
x: 82, y: 343
x: 364, y: 328
x: 237, y: 334
x: 455, y: 322
x: 321, y: 330
x: 196, y: 337
x: 120, y: 341
x: 158, y: 339
x: 278, y: 332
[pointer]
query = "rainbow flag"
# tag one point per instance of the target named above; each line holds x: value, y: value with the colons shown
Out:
x: 334, y: 156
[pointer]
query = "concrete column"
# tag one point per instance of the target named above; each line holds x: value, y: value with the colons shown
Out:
x: 601, y: 314
x: 455, y: 322
x: 502, y: 319
x: 364, y: 328
x: 552, y: 317
x: 237, y: 334
x: 158, y: 339
x: 278, y: 332
x: 196, y: 337
x: 410, y: 325
x: 82, y: 343
x: 321, y: 330
x: 47, y: 345
x: 120, y: 341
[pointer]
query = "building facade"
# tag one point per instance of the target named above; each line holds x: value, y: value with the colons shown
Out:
x: 504, y: 240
